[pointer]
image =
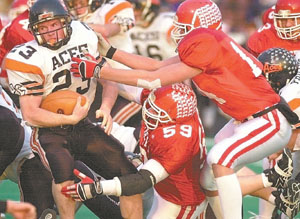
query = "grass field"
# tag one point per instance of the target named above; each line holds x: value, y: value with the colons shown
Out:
x: 9, y: 190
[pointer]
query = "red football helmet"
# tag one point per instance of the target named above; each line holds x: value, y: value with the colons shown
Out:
x: 173, y: 103
x: 287, y: 19
x: 192, y: 14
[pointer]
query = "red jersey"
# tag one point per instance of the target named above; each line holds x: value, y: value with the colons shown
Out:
x: 16, y: 33
x: 180, y: 149
x: 231, y: 76
x: 266, y: 38
x: 268, y: 15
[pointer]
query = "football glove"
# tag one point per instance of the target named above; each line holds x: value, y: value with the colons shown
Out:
x: 86, y: 68
x: 86, y: 189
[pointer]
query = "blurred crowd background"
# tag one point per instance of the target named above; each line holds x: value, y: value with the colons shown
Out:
x: 240, y: 19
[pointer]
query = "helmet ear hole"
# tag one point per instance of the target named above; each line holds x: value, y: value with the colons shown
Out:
x: 280, y: 66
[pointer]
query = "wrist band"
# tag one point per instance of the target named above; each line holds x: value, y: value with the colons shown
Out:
x: 98, y: 67
x: 110, y: 53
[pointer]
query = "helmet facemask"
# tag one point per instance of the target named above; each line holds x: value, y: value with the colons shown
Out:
x: 152, y: 114
x: 281, y: 19
x: 65, y: 22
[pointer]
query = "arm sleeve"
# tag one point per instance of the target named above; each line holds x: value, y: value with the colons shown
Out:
x: 3, y: 206
x: 151, y: 173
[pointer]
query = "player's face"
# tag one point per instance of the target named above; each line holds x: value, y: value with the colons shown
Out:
x: 51, y: 31
x: 81, y: 7
x: 289, y: 23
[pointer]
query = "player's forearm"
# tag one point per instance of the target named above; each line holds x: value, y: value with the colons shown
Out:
x: 151, y: 173
x: 136, y: 61
x: 106, y: 30
x: 124, y: 76
x: 109, y: 94
x: 43, y: 118
x: 128, y: 185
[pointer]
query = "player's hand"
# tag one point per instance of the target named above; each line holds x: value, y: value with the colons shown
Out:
x: 86, y: 68
x: 20, y: 210
x: 105, y: 48
x: 275, y: 155
x: 107, y: 121
x: 86, y: 189
x: 80, y: 112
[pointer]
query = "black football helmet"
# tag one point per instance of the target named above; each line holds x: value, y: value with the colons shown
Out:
x: 280, y: 66
x: 90, y: 5
x: 149, y: 9
x: 45, y: 10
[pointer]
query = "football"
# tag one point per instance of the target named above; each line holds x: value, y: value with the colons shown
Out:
x: 62, y: 102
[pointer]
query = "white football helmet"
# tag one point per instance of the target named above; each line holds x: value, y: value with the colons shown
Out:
x: 192, y: 14
x: 173, y: 103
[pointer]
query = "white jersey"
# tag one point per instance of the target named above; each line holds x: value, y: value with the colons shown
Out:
x: 119, y: 12
x: 11, y: 172
x: 155, y: 40
x: 291, y: 93
x: 37, y: 70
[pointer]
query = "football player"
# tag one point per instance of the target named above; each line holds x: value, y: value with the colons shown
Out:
x: 40, y: 67
x: 113, y: 19
x: 283, y: 30
x: 151, y: 35
x: 280, y: 69
x: 173, y: 152
x: 259, y: 125
x: 17, y: 162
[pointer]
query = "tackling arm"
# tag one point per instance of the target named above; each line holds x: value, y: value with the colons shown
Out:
x: 169, y: 74
x: 151, y: 173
